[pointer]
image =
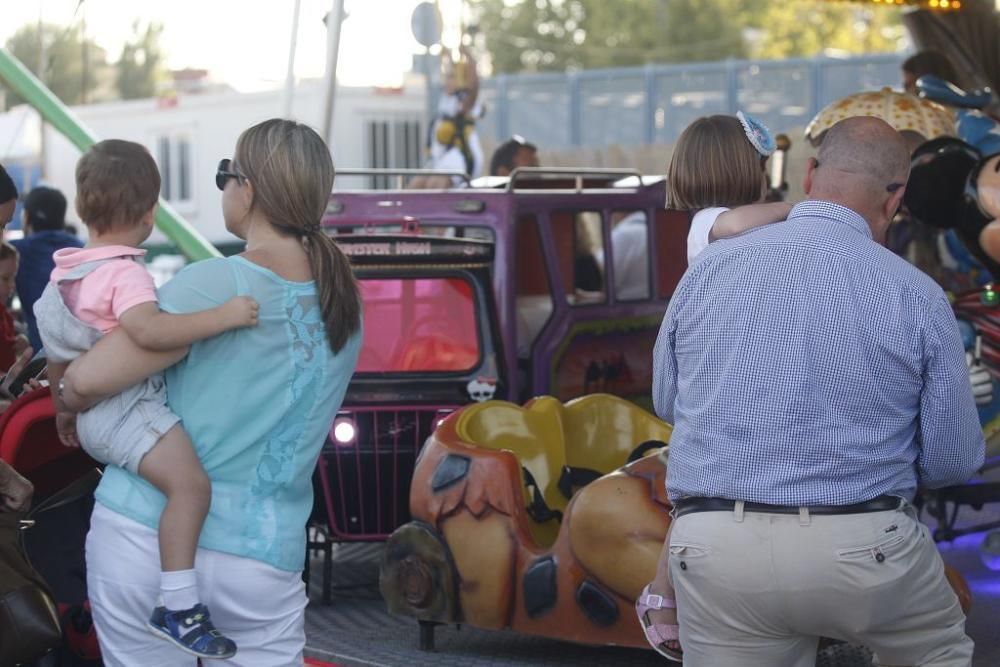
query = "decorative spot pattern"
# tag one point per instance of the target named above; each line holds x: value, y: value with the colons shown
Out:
x: 901, y: 110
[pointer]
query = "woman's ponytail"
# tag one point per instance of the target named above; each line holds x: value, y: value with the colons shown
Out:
x: 292, y: 173
x: 339, y: 299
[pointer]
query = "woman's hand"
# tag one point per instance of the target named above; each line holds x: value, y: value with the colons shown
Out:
x: 15, y: 491
x: 114, y: 364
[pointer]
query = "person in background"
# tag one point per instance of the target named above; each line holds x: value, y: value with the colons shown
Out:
x: 44, y: 220
x: 12, y: 343
x: 15, y: 490
x: 454, y: 142
x: 8, y: 198
x: 513, y: 153
x: 923, y: 63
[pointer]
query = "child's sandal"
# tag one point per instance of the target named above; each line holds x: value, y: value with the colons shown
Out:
x: 192, y: 631
x: 660, y: 633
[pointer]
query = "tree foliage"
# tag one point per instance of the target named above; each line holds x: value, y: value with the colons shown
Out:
x: 133, y: 75
x: 140, y: 64
x: 556, y: 35
x: 74, y: 67
x: 803, y: 28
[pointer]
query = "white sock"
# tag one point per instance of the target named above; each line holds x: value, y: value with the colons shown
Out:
x: 179, y: 589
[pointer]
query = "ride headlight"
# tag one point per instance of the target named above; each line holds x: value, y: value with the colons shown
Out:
x: 344, y: 431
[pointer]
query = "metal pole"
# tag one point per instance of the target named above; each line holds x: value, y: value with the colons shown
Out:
x: 429, y: 106
x: 25, y: 84
x: 286, y: 107
x: 84, y: 55
x: 41, y: 81
x: 333, y: 21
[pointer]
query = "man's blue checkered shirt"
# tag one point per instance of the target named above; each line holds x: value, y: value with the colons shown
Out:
x: 804, y: 364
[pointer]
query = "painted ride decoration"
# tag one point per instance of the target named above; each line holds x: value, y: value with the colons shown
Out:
x: 955, y: 186
x: 907, y: 114
x: 500, y: 540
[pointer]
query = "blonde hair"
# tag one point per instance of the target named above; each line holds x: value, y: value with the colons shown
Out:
x: 714, y: 164
x: 292, y: 174
x: 117, y: 183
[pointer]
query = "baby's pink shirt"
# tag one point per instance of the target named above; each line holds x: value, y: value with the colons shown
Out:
x: 103, y: 295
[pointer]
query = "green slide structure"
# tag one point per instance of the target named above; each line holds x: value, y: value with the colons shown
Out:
x: 25, y: 84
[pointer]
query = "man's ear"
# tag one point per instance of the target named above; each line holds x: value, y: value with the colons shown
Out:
x: 807, y: 182
x: 893, y: 203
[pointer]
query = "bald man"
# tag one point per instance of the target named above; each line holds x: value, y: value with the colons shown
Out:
x: 814, y: 380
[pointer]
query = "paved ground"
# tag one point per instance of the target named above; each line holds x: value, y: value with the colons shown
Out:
x: 356, y: 630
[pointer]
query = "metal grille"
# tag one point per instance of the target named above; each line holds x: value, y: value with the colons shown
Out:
x: 392, y: 143
x: 365, y: 484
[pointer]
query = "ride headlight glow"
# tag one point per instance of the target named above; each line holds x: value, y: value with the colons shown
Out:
x: 344, y: 430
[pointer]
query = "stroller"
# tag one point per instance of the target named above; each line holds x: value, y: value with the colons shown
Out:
x: 55, y: 545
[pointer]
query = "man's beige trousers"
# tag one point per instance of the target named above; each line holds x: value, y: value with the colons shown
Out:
x: 758, y: 590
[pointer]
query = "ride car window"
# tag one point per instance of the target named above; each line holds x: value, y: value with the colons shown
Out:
x: 418, y: 325
x: 534, y: 294
x: 630, y: 254
x: 579, y: 242
x: 670, y: 258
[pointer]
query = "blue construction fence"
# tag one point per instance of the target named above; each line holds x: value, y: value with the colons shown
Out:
x: 654, y: 103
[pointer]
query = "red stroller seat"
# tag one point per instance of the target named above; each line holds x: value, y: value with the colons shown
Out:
x: 29, y: 443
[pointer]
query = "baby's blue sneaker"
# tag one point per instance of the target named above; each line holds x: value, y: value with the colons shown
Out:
x: 191, y: 630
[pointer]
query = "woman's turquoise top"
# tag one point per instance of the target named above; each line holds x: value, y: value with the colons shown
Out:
x: 257, y: 403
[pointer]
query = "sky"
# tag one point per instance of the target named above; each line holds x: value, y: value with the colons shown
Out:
x: 246, y: 42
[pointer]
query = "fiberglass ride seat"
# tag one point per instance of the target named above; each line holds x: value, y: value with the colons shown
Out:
x: 496, y: 542
x: 562, y: 447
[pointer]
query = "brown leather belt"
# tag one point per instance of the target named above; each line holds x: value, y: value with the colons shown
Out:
x: 691, y: 505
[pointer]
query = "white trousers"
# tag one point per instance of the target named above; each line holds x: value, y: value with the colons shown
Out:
x: 758, y: 590
x: 258, y: 606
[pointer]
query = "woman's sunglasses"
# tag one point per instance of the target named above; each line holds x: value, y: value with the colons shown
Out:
x: 223, y: 174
